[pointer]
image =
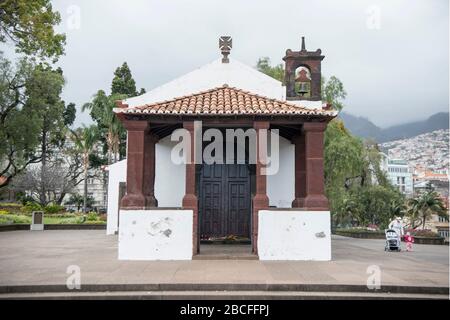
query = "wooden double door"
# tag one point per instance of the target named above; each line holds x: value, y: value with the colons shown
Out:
x: 225, y: 200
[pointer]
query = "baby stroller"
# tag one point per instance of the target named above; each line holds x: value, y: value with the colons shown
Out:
x: 392, y: 240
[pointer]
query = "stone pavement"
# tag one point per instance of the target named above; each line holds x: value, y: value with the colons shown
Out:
x: 38, y: 258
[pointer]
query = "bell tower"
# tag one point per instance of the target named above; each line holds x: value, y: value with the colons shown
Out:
x: 302, y: 74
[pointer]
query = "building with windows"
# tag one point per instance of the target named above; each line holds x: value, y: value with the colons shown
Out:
x: 97, y: 191
x: 399, y: 174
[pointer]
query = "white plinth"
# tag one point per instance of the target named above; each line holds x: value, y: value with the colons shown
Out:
x: 37, y: 227
x: 155, y: 235
x: 294, y: 235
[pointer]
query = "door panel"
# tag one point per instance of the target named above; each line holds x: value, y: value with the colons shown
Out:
x: 224, y: 200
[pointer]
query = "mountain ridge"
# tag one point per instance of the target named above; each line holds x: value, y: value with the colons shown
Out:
x: 364, y: 128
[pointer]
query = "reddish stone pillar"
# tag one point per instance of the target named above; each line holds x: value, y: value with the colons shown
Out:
x: 140, y: 167
x: 260, y: 200
x: 190, y: 200
x: 300, y: 171
x: 315, y: 186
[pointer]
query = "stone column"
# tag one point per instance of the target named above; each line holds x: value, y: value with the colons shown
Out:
x: 300, y: 171
x: 315, y: 186
x: 140, y: 167
x: 190, y: 200
x: 260, y: 200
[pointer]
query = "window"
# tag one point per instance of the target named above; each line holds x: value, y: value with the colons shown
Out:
x: 443, y: 219
x: 443, y: 233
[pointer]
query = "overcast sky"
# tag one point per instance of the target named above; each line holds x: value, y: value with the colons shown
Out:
x: 392, y: 56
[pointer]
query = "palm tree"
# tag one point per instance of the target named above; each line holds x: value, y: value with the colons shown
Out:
x: 114, y: 131
x: 85, y: 139
x: 101, y: 109
x: 349, y: 211
x: 397, y: 209
x: 426, y: 205
x: 413, y: 212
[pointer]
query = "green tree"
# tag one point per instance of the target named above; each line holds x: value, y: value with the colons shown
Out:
x: 33, y: 118
x: 44, y: 101
x: 18, y: 130
x: 85, y: 139
x: 355, y: 184
x: 276, y: 72
x: 78, y: 201
x: 69, y: 114
x: 425, y: 206
x: 110, y: 129
x: 111, y: 132
x: 123, y: 82
x: 333, y: 92
x: 29, y: 25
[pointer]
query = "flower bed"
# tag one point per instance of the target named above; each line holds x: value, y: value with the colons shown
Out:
x: 26, y: 227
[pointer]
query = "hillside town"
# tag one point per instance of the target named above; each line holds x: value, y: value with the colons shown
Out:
x: 417, y: 164
x: 428, y: 152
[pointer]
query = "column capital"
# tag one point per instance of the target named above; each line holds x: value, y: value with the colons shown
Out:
x: 259, y: 124
x: 136, y: 125
x: 188, y: 125
x: 314, y: 126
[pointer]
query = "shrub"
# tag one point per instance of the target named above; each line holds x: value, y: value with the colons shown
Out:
x: 424, y: 233
x: 53, y: 208
x: 21, y: 219
x: 12, y: 219
x: 4, y: 205
x: 92, y: 216
x: 358, y: 230
x: 31, y: 206
x: 94, y: 222
x: 4, y: 212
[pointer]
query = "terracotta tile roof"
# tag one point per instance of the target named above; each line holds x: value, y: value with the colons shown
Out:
x: 224, y: 101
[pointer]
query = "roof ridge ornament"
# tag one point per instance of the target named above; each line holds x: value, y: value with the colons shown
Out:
x: 225, y: 45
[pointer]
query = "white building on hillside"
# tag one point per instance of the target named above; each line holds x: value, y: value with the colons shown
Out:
x: 399, y: 174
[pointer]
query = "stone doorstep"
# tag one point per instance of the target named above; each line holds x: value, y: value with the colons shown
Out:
x: 221, y: 295
x: 224, y: 287
x: 224, y: 257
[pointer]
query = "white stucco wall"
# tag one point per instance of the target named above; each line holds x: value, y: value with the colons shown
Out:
x: 212, y: 75
x: 294, y: 235
x: 155, y: 235
x: 280, y: 187
x: 117, y: 173
x: 170, y: 178
x: 169, y: 182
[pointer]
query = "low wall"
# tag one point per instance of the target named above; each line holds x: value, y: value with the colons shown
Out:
x: 361, y: 235
x: 294, y: 235
x: 18, y: 227
x: 157, y: 234
x: 377, y: 235
x: 429, y: 240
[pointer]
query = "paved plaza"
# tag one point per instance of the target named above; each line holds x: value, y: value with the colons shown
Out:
x: 38, y: 258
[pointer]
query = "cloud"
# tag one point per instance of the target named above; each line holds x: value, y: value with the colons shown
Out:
x: 393, y: 74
